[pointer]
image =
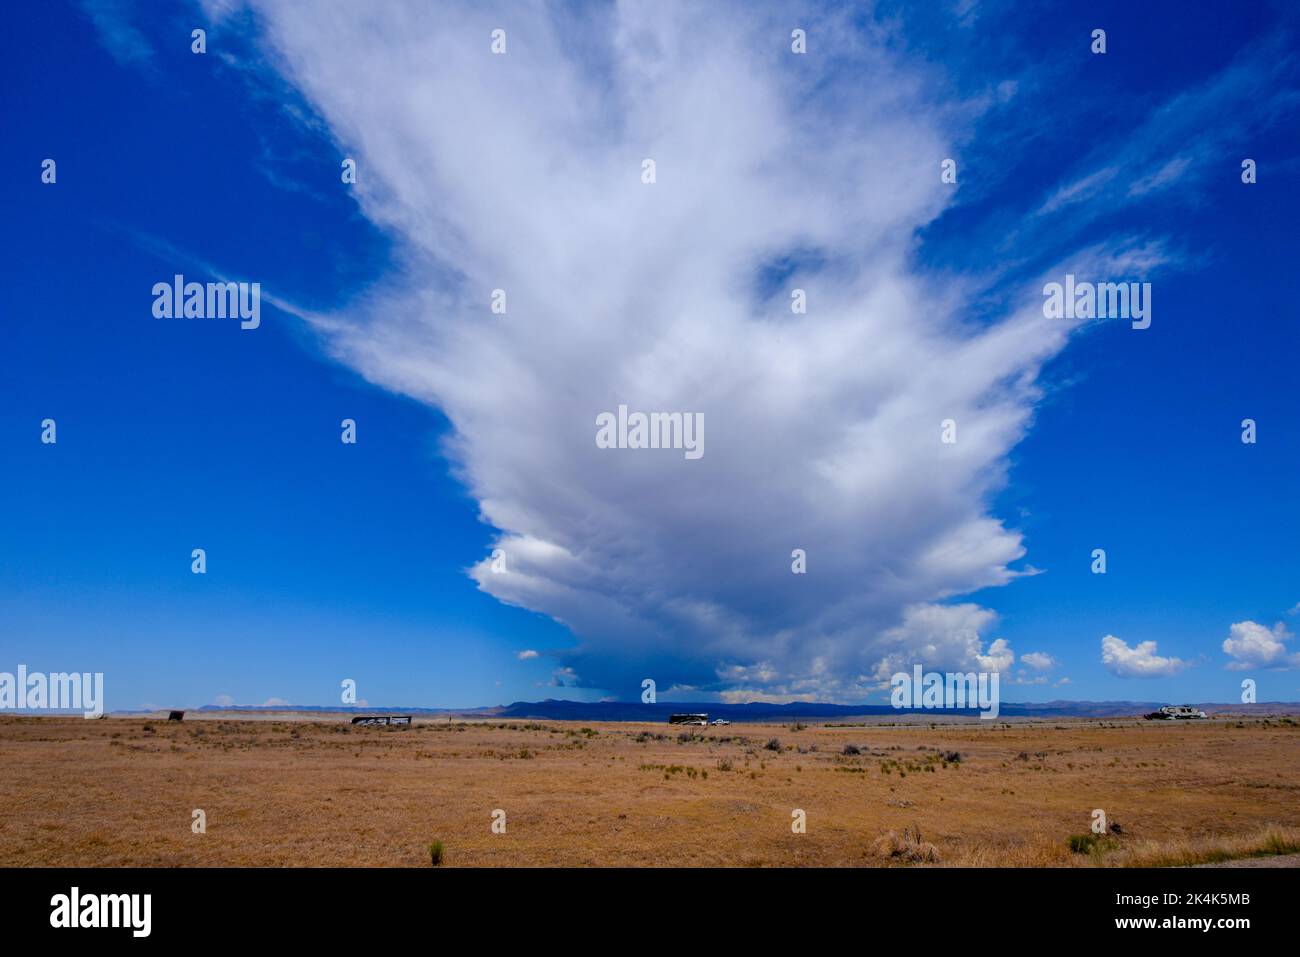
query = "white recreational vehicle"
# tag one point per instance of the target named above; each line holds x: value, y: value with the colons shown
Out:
x: 1176, y: 712
x: 700, y: 719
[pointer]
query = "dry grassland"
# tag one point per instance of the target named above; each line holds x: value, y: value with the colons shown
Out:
x: 297, y: 792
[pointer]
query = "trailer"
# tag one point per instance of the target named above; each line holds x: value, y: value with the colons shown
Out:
x: 689, y: 719
x: 1177, y: 712
x: 378, y: 719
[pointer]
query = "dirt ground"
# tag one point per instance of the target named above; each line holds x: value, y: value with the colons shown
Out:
x: 314, y: 792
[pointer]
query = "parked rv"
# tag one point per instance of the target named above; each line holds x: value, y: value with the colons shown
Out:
x: 700, y: 719
x: 381, y: 719
x: 1177, y: 712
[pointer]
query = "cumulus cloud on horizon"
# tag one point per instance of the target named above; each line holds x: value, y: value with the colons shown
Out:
x: 1039, y: 660
x: 1252, y: 645
x: 523, y: 173
x: 1138, y: 661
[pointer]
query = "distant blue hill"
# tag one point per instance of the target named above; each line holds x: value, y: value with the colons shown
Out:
x: 758, y: 711
x: 554, y: 710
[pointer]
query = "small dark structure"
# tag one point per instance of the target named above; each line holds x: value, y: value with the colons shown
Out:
x: 369, y: 719
x: 176, y: 716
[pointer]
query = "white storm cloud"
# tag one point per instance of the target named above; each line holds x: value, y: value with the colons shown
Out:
x: 943, y: 638
x: 775, y: 172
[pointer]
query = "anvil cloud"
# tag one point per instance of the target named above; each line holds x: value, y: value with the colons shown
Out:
x: 522, y: 172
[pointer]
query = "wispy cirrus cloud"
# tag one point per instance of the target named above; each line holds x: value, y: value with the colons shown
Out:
x: 1140, y: 160
x: 115, y: 23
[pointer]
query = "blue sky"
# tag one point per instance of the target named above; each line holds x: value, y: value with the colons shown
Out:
x: 329, y: 561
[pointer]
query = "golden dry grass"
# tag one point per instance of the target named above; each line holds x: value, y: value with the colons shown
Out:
x: 311, y: 793
x: 1190, y: 852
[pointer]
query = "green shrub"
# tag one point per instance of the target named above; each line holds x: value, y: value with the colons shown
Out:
x: 1091, y: 843
x: 1081, y: 843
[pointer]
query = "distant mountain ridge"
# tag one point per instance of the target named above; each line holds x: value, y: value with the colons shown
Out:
x: 559, y: 710
x: 763, y: 711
